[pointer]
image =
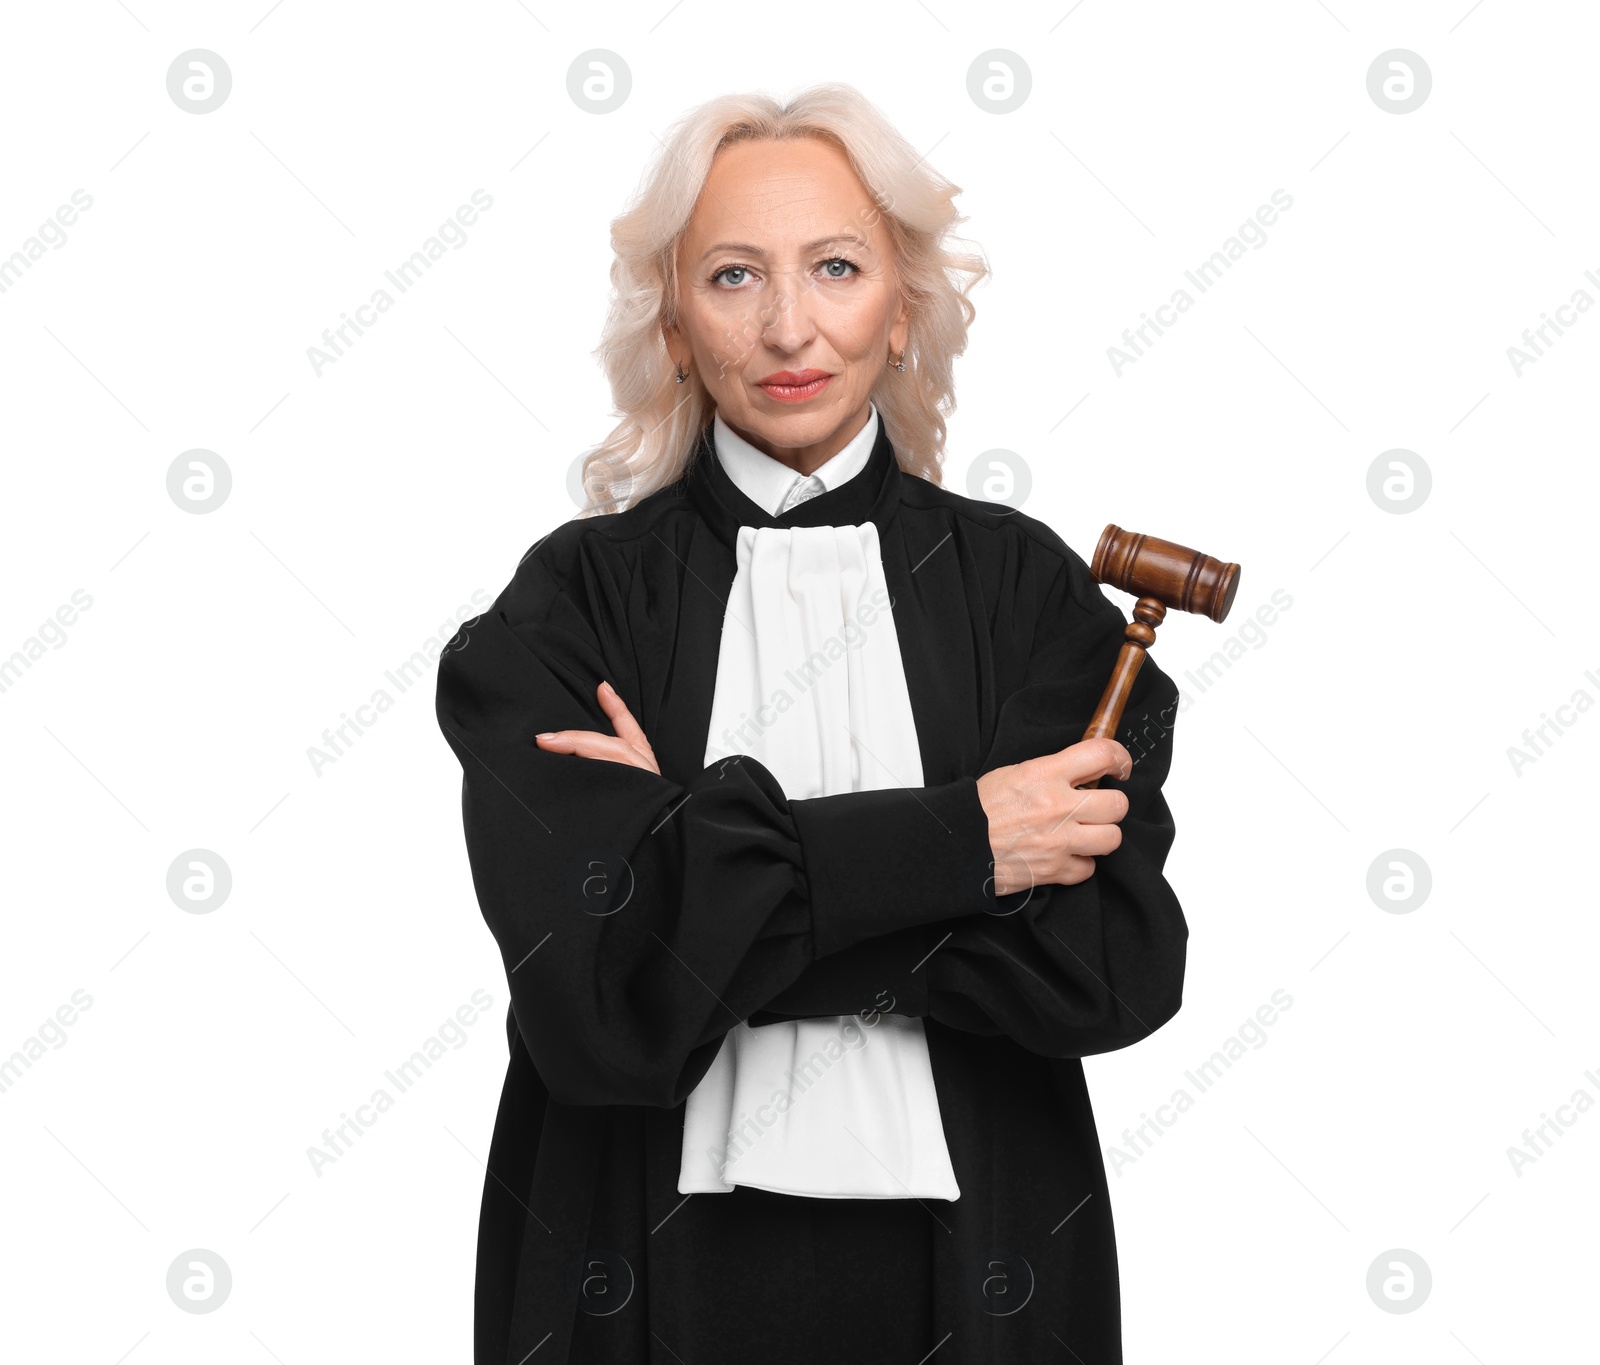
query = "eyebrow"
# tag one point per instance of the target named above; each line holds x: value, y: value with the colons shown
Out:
x: 808, y: 247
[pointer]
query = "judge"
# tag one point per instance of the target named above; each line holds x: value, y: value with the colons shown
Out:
x: 773, y: 796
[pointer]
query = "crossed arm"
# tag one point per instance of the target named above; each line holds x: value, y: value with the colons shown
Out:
x: 1042, y: 829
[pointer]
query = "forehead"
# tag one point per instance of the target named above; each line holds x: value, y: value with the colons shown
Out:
x: 781, y: 194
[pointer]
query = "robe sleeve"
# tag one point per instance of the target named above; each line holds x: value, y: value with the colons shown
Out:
x: 639, y: 919
x: 1065, y: 971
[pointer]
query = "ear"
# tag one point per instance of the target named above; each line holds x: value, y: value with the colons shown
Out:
x: 669, y: 334
x: 901, y: 331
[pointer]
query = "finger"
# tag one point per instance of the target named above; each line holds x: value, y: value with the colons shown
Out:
x: 1100, y: 806
x: 1095, y: 841
x: 1092, y: 758
x: 591, y: 744
x: 628, y: 729
x: 1089, y: 805
x: 621, y: 718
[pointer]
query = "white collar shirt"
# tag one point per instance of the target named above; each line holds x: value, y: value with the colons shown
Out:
x: 773, y: 485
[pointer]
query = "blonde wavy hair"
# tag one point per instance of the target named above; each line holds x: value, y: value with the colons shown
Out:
x: 661, y: 420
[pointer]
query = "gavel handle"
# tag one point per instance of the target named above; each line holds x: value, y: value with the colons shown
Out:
x: 1140, y: 635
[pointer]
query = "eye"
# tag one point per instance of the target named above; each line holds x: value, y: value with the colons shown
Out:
x: 841, y: 260
x: 735, y: 269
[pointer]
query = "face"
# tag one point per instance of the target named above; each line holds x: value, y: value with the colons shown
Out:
x: 789, y: 308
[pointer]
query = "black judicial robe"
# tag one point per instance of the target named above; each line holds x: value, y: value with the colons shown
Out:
x: 640, y: 917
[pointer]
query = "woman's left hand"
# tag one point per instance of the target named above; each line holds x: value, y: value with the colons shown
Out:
x: 628, y: 745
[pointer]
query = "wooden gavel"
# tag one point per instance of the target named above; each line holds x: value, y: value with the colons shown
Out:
x: 1162, y: 575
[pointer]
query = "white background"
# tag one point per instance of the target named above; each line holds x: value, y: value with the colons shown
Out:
x: 369, y: 503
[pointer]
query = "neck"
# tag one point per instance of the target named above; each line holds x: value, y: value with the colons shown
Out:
x: 809, y: 459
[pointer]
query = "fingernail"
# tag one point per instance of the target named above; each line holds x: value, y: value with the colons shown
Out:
x: 548, y: 734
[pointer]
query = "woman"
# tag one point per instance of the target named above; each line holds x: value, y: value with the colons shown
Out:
x: 772, y: 804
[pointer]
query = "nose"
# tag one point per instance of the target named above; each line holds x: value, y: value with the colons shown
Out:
x: 788, y: 323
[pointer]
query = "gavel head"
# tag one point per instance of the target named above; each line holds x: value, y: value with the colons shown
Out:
x: 1174, y: 575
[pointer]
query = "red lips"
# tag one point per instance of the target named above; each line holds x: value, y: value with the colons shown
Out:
x: 794, y: 386
x: 792, y: 378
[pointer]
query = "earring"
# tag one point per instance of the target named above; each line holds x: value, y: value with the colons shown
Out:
x: 901, y: 363
x: 681, y: 376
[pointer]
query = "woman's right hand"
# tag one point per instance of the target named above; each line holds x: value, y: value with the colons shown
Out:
x: 1041, y: 828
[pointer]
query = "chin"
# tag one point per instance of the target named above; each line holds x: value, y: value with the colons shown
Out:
x: 770, y: 415
x: 805, y: 429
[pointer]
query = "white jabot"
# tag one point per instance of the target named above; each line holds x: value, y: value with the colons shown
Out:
x: 811, y: 683
x: 771, y: 484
